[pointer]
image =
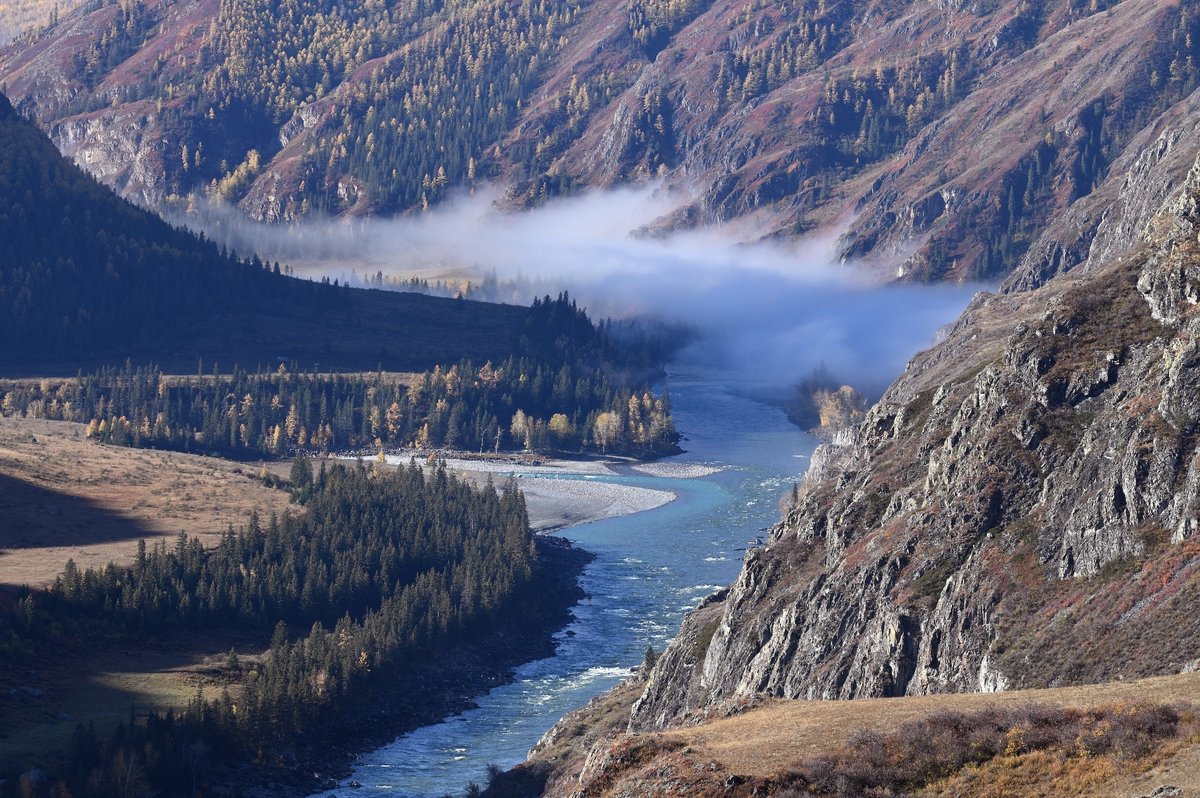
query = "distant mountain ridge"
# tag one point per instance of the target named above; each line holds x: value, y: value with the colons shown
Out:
x: 942, y: 139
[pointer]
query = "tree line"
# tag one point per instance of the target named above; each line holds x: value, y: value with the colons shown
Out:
x: 385, y: 568
x: 569, y: 387
x: 364, y: 538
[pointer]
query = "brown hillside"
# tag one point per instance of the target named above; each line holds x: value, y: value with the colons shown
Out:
x: 63, y: 496
x: 775, y: 747
x: 943, y: 142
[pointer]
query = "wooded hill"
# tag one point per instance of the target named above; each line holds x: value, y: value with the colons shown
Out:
x: 383, y: 573
x: 956, y: 136
x: 88, y: 278
x: 567, y: 387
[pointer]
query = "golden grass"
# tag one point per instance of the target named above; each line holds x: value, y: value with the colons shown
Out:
x: 776, y: 736
x: 63, y: 496
x: 1049, y: 774
x: 1042, y: 773
x: 102, y: 688
x: 1179, y: 768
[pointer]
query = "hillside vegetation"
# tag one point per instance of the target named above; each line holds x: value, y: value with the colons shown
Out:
x: 87, y: 278
x: 1019, y: 510
x: 1109, y: 741
x: 19, y: 17
x: 568, y: 387
x: 376, y: 600
x: 957, y: 135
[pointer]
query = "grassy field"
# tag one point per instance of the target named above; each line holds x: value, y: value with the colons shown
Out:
x: 770, y: 748
x: 63, y: 496
x: 770, y: 739
x: 103, y: 687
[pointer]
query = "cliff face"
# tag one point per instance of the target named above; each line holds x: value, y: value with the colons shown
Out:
x: 1019, y: 510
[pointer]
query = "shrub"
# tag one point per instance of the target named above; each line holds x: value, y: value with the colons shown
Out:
x: 924, y: 751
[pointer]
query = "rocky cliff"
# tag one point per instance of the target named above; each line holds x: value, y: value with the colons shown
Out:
x: 1019, y: 510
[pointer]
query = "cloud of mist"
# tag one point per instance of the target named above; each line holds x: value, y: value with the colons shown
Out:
x: 769, y: 312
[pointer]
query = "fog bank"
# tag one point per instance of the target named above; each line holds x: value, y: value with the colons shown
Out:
x: 770, y: 312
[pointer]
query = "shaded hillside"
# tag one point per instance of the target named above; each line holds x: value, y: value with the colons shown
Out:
x: 86, y: 277
x: 955, y: 134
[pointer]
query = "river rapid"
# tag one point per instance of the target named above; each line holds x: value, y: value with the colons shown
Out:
x: 650, y: 569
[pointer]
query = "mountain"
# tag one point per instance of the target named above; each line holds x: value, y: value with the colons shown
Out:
x: 1020, y: 511
x: 940, y: 139
x: 26, y: 16
x: 87, y: 278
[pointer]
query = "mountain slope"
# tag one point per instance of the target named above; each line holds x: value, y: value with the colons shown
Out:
x: 86, y: 277
x: 941, y: 140
x: 1019, y: 510
x: 1115, y: 740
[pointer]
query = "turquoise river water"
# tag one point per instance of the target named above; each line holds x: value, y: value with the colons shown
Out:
x: 650, y: 569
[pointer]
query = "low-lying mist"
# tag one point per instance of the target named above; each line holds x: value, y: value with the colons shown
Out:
x: 770, y: 313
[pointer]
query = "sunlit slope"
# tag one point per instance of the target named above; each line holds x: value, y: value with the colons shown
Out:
x: 957, y: 137
x: 1102, y: 741
x: 31, y: 16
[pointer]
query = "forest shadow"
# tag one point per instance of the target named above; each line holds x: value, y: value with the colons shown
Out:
x: 33, y: 517
x: 364, y: 331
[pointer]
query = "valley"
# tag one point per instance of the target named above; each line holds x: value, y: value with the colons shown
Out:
x: 840, y: 438
x: 940, y: 145
x: 649, y: 569
x: 227, y: 618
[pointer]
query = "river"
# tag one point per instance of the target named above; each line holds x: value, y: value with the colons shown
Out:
x: 650, y: 569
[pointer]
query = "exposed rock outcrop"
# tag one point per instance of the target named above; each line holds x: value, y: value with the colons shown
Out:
x: 1018, y: 510
x: 122, y: 150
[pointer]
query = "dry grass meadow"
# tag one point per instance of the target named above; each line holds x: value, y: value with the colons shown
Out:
x: 63, y: 496
x: 772, y: 738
